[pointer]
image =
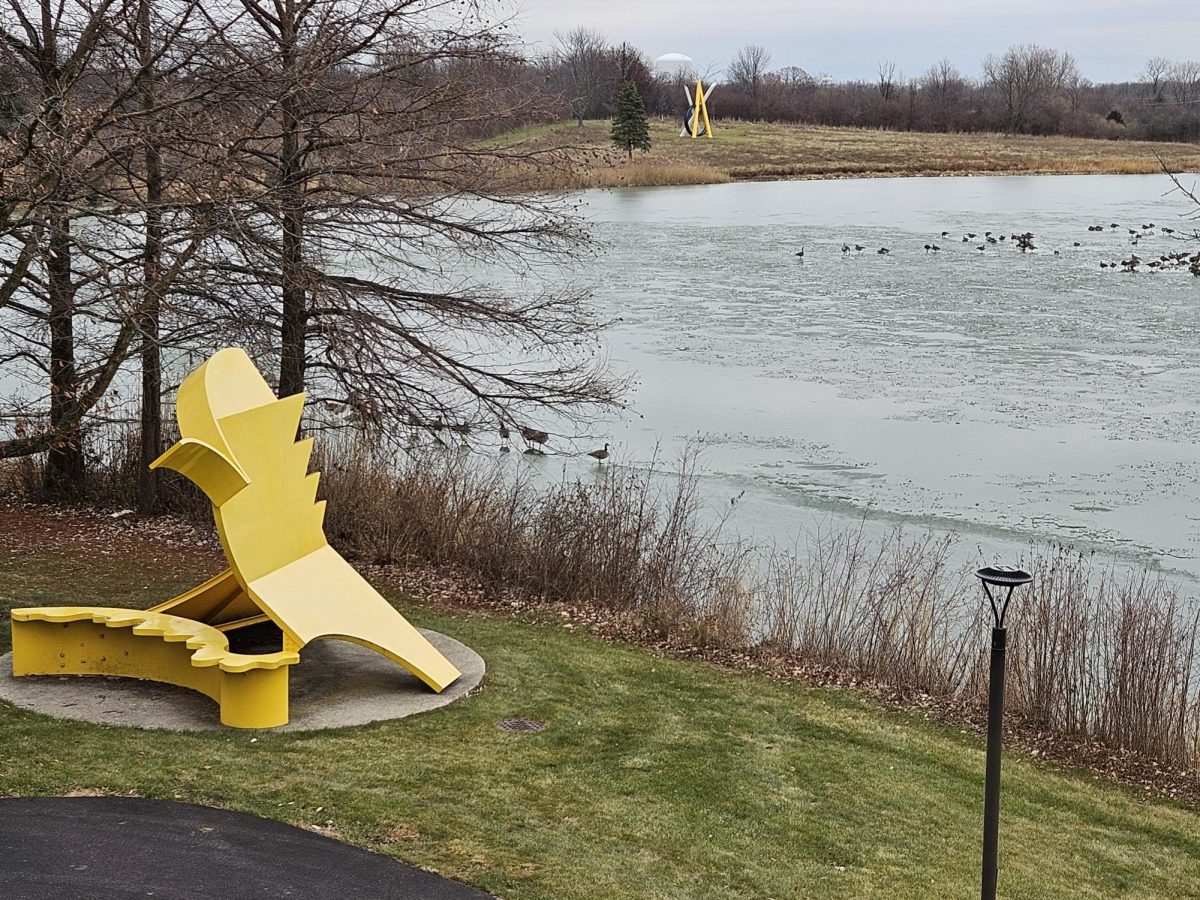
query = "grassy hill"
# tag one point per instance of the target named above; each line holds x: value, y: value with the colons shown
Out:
x: 745, y: 151
x: 655, y: 778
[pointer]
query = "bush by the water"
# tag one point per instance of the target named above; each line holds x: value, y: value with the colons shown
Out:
x: 1095, y: 653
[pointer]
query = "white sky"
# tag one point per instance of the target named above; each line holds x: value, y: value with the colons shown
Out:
x: 846, y: 39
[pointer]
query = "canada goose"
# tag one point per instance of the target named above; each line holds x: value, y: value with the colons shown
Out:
x: 971, y: 235
x: 936, y: 248
x: 800, y: 253
x: 1075, y: 244
x: 600, y: 455
x: 883, y: 251
x: 928, y: 247
x: 1114, y: 225
x: 1104, y: 265
x: 1166, y: 230
x: 859, y: 247
x: 966, y: 240
x: 945, y: 234
x: 533, y: 436
x: 845, y: 249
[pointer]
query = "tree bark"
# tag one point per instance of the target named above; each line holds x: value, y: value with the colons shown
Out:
x: 64, y: 474
x: 294, y: 312
x: 151, y: 412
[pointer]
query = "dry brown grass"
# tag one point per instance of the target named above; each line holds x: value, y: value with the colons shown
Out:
x: 648, y: 173
x: 748, y: 151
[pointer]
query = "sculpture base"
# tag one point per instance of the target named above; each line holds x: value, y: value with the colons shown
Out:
x: 338, y: 684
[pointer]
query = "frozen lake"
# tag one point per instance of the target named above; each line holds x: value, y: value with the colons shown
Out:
x: 1010, y: 397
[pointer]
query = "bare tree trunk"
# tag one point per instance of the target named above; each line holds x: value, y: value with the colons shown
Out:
x: 294, y: 312
x: 151, y: 418
x: 64, y: 462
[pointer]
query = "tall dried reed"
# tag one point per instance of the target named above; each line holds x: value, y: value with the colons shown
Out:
x: 1095, y: 652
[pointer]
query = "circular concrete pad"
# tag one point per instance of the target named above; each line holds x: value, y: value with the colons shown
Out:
x: 86, y: 848
x: 335, y: 685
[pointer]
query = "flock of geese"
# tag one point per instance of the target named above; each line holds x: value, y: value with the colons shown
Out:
x: 1025, y: 243
x: 535, y: 439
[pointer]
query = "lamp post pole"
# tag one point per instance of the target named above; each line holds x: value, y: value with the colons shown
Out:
x: 995, y: 577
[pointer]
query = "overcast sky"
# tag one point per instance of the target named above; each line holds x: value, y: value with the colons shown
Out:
x: 846, y: 39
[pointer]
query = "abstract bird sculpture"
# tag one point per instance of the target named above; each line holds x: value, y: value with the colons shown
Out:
x: 239, y: 446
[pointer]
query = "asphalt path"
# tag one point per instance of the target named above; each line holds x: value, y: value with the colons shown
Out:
x: 88, y: 848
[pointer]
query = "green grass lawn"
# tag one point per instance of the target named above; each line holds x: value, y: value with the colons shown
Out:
x: 655, y: 778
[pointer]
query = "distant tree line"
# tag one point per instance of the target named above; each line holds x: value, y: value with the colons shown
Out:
x: 1026, y: 89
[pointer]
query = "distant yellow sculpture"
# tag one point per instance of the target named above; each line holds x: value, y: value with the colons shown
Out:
x: 238, y: 445
x: 697, y: 111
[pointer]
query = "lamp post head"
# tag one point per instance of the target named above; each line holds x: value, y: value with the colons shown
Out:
x: 1003, y: 576
x: 1009, y: 577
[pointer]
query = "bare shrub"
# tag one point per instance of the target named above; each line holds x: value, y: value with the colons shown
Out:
x: 623, y: 542
x: 1095, y: 653
x: 1109, y: 657
x: 893, y: 609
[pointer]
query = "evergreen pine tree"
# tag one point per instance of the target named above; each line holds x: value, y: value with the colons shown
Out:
x: 630, y: 127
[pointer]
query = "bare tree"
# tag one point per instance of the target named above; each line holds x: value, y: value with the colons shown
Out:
x: 72, y: 261
x: 1154, y: 77
x: 886, y: 80
x: 1024, y: 78
x: 1184, y: 82
x: 584, y: 64
x: 365, y: 253
x: 748, y: 68
x: 943, y: 87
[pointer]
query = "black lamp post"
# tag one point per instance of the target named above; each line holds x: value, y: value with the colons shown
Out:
x: 995, y: 577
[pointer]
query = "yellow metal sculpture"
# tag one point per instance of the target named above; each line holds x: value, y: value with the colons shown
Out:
x: 238, y: 445
x: 697, y: 112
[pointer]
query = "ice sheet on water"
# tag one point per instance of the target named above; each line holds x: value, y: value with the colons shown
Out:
x: 1032, y: 393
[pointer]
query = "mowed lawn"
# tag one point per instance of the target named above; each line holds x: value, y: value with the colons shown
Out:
x: 750, y: 150
x: 655, y: 778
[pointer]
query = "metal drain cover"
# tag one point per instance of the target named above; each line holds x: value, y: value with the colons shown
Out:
x: 527, y: 726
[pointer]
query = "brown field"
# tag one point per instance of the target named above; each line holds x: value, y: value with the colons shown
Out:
x: 743, y: 151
